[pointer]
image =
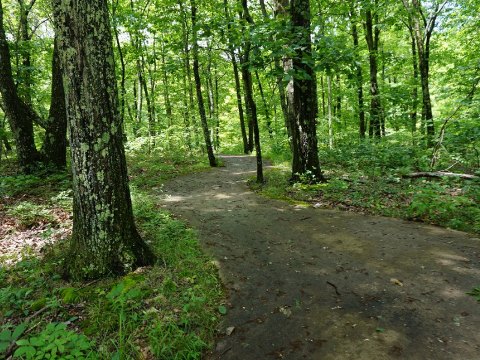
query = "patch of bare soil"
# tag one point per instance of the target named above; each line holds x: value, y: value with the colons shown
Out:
x: 308, y: 283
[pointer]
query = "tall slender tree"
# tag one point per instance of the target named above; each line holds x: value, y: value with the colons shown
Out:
x: 105, y: 240
x: 250, y: 104
x: 422, y: 27
x: 238, y: 86
x: 198, y: 86
x: 372, y: 36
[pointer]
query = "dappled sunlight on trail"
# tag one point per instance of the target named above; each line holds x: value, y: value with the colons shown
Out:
x: 309, y: 283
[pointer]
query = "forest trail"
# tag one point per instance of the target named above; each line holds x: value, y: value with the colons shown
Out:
x: 307, y: 283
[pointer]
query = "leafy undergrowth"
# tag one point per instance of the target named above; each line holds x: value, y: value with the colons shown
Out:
x: 369, y: 179
x: 168, y: 311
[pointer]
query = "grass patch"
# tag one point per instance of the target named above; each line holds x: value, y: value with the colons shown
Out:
x: 368, y: 178
x: 168, y: 311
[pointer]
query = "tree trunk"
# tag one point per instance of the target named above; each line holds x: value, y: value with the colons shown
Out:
x: 414, y: 105
x: 359, y: 76
x: 105, y: 240
x: 281, y: 11
x: 330, y: 121
x: 166, y: 88
x: 187, y: 93
x: 123, y: 91
x: 376, y: 111
x: 198, y: 87
x: 301, y: 97
x: 20, y: 116
x: 238, y: 90
x: 248, y: 89
x: 25, y: 70
x: 265, y: 106
x: 422, y: 28
x: 54, y: 149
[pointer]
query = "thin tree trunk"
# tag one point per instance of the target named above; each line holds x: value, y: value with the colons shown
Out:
x: 198, y: 87
x: 265, y: 106
x: 359, y: 77
x: 330, y: 122
x: 376, y: 111
x: 414, y: 105
x: 338, y: 102
x: 187, y: 93
x: 20, y: 116
x: 254, y: 130
x: 166, y: 88
x: 238, y: 90
x: 123, y: 91
x: 322, y: 90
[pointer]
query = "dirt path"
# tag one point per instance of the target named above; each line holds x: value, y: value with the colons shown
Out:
x: 307, y: 283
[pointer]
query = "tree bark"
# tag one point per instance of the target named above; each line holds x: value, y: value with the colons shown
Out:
x: 376, y: 111
x: 359, y: 76
x: 54, y: 149
x: 414, y: 105
x: 25, y: 70
x: 105, y: 240
x: 330, y: 115
x: 198, y: 87
x: 238, y: 90
x: 20, y: 116
x: 301, y: 97
x: 265, y: 106
x: 440, y: 174
x: 248, y: 90
x: 422, y: 29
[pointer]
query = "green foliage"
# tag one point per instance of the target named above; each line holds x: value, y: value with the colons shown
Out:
x: 171, y: 308
x: 368, y: 178
x: 171, y: 342
x: 29, y: 214
x: 7, y: 336
x: 34, y: 185
x: 475, y: 293
x: 54, y: 342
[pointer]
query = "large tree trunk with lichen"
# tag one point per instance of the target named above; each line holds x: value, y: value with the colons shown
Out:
x: 54, y: 148
x: 20, y: 115
x: 301, y: 97
x: 105, y: 240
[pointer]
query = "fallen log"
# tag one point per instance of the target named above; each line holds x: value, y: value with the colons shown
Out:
x: 439, y: 174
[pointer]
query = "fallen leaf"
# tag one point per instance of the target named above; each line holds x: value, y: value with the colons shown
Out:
x: 396, y: 282
x: 230, y: 330
x: 285, y: 311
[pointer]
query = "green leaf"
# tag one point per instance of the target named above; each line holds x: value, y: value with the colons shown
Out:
x: 19, y: 330
x: 23, y: 342
x: 25, y: 350
x: 222, y: 310
x: 5, y: 335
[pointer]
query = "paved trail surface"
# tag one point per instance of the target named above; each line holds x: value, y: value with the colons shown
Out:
x: 307, y: 283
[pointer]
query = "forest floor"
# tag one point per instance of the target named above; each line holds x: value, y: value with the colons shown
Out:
x: 306, y: 283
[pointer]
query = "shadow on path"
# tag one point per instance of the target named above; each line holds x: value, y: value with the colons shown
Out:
x: 307, y: 283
